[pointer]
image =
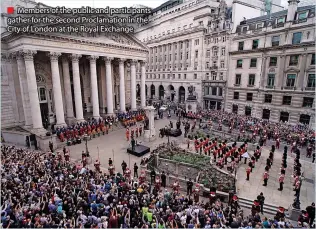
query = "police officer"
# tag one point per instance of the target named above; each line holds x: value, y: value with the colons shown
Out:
x: 189, y: 187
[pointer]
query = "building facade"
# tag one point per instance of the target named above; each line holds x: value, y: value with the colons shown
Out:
x: 272, y: 66
x: 188, y: 44
x: 61, y: 77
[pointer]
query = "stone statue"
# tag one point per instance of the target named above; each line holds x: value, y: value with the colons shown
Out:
x: 191, y: 95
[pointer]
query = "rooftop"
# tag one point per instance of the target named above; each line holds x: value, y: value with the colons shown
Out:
x: 277, y: 14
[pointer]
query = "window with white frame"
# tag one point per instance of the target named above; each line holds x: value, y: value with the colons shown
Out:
x: 223, y: 51
x: 214, y: 75
x: 208, y: 53
x: 222, y: 64
x: 42, y: 94
x: 196, y: 42
x: 221, y: 76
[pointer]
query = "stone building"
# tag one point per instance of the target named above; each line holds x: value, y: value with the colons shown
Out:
x: 183, y: 36
x: 272, y: 66
x: 63, y: 78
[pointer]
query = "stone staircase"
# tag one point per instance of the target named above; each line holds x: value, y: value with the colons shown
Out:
x: 268, y: 209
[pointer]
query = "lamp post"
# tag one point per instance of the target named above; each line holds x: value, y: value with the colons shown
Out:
x: 85, y: 138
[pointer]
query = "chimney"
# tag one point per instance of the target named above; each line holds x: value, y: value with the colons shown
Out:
x: 292, y: 10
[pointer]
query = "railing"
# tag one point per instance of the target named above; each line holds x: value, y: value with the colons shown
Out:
x: 309, y: 88
x: 270, y: 87
x: 278, y: 25
x: 299, y: 21
x: 289, y: 87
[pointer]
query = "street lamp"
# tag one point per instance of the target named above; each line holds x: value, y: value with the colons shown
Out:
x: 85, y: 138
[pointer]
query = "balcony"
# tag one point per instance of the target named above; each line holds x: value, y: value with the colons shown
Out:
x: 250, y: 85
x: 215, y: 57
x: 270, y: 87
x: 289, y: 88
x: 213, y: 67
x: 309, y: 88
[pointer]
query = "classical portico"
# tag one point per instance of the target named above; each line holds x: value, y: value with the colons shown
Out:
x: 61, y: 80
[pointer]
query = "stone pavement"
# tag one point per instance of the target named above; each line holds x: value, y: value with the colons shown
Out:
x: 251, y: 189
x: 114, y: 145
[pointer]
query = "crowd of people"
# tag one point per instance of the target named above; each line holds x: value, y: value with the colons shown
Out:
x: 41, y: 191
x: 131, y: 118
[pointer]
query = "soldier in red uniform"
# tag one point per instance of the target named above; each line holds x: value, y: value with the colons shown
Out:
x: 281, y: 180
x: 61, y: 137
x: 277, y: 143
x: 265, y: 178
x: 157, y: 184
x: 136, y: 132
x: 142, y: 178
x: 255, y: 208
x: 127, y: 134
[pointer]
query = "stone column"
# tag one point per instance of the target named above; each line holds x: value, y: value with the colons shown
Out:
x: 122, y: 85
x: 280, y: 76
x: 67, y: 88
x: 94, y: 86
x: 24, y: 89
x: 77, y: 86
x: 32, y: 88
x: 263, y: 73
x: 143, y: 84
x: 58, y: 101
x: 133, y: 85
x: 109, y: 90
x: 301, y: 74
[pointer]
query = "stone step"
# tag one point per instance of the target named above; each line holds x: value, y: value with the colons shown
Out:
x: 269, y: 209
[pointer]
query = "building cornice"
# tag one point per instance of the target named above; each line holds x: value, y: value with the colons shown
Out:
x: 14, y: 36
x: 282, y: 47
x: 256, y: 33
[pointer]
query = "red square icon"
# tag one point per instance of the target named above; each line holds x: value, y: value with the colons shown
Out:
x: 10, y: 10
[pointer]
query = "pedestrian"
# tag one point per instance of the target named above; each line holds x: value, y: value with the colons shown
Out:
x: 313, y: 161
x: 248, y: 171
x: 311, y: 214
x: 189, y: 187
x: 261, y: 199
x: 135, y: 170
x: 163, y: 179
x: 152, y: 176
x: 124, y: 166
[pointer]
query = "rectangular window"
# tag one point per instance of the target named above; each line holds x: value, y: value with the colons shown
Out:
x: 284, y: 116
x: 181, y: 45
x: 255, y: 44
x: 302, y: 16
x: 238, y: 79
x: 313, y: 59
x: 239, y: 64
x: 195, y: 76
x: 165, y: 47
x: 42, y: 94
x: 185, y: 76
x: 267, y: 98
x: 208, y: 53
x: 293, y: 60
x: 248, y: 111
x: 169, y: 47
x: 236, y: 95
x: 308, y: 102
x: 222, y: 64
x: 311, y: 80
x: 281, y: 20
x: 249, y: 96
x: 175, y: 56
x: 235, y: 108
x: 165, y: 57
x: 240, y: 46
x: 196, y: 54
x: 271, y: 78
x: 187, y: 55
x: 196, y: 42
x: 207, y: 64
x: 273, y: 61
x: 296, y: 38
x: 179, y: 76
x: 181, y: 55
x: 290, y: 80
x: 305, y: 119
x: 223, y: 51
x: 188, y: 44
x: 287, y: 100
x: 214, y: 90
x: 251, y: 80
x: 275, y: 41
x: 221, y: 76
x: 169, y: 57
x: 214, y: 75
x: 253, y: 62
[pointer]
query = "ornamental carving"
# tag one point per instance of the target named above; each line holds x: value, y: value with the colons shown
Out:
x: 272, y: 70
x: 40, y: 79
x: 107, y: 59
x: 133, y: 62
x: 75, y: 57
x: 27, y: 54
x: 54, y: 56
x: 121, y: 60
x: 92, y: 58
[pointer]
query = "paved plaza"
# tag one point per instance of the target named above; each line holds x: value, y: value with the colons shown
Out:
x: 114, y: 145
